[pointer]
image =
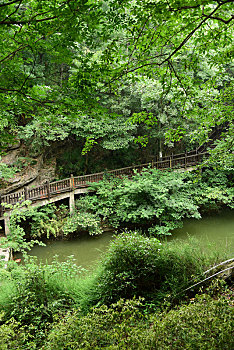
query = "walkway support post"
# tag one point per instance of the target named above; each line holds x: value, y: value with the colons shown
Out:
x: 72, y: 195
x: 7, y: 225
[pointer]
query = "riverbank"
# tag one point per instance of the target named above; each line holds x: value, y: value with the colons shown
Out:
x: 215, y: 230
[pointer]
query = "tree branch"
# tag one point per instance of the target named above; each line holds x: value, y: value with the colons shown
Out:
x: 4, y: 90
x: 21, y: 48
x: 28, y: 21
x: 32, y: 19
x: 138, y: 37
x: 186, y: 39
x: 226, y: 21
x: 11, y: 14
x: 176, y: 75
x: 220, y: 3
x: 9, y: 3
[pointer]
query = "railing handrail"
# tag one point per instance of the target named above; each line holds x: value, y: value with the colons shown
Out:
x: 52, y: 188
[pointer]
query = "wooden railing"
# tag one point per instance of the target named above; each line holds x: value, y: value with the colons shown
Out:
x: 51, y: 189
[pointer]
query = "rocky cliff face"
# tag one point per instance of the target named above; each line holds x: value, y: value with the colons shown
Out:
x: 32, y: 171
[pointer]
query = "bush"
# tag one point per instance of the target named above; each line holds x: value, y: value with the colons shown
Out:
x: 40, y: 294
x: 204, y: 323
x: 157, y: 199
x: 13, y: 336
x: 139, y: 266
x: 103, y: 328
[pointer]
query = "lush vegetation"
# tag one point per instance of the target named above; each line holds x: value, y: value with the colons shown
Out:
x: 94, y: 85
x: 158, y: 200
x: 138, y: 283
x: 115, y: 77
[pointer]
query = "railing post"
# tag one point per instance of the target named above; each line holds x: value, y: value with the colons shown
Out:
x: 170, y: 161
x: 25, y: 193
x: 48, y: 188
x: 185, y: 160
x: 72, y: 182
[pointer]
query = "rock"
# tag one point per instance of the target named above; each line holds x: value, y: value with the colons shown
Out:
x: 34, y: 171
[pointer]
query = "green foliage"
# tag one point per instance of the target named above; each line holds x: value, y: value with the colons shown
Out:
x: 222, y: 155
x: 47, y: 221
x: 83, y: 221
x: 158, y: 200
x: 91, y: 127
x: 140, y: 266
x: 39, y: 295
x: 96, y: 72
x: 101, y: 328
x: 13, y: 336
x: 174, y: 135
x: 213, y: 190
x: 49, y: 306
x: 16, y: 239
x: 51, y: 221
x: 123, y: 325
x: 190, y: 326
x: 6, y: 172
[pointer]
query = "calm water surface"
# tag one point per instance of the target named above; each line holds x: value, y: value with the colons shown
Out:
x: 217, y: 229
x: 86, y: 249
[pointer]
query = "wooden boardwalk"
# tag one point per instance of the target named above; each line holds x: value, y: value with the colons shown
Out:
x: 49, y: 191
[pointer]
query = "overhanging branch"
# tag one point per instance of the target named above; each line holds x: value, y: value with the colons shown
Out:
x: 226, y: 21
x: 178, y: 48
x: 9, y: 3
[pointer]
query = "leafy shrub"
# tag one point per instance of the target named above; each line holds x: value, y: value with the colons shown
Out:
x: 157, y: 200
x: 13, y: 336
x: 139, y: 266
x: 204, y: 323
x: 160, y: 200
x: 213, y: 190
x: 39, y: 294
x: 104, y: 327
x: 82, y: 221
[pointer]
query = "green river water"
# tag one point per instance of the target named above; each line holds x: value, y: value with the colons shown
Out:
x: 216, y: 229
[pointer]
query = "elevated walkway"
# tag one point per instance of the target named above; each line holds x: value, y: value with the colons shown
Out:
x: 68, y: 188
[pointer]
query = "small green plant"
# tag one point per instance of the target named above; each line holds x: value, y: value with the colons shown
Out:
x: 16, y: 238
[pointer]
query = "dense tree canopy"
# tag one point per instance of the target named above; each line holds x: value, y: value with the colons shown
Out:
x: 162, y: 67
